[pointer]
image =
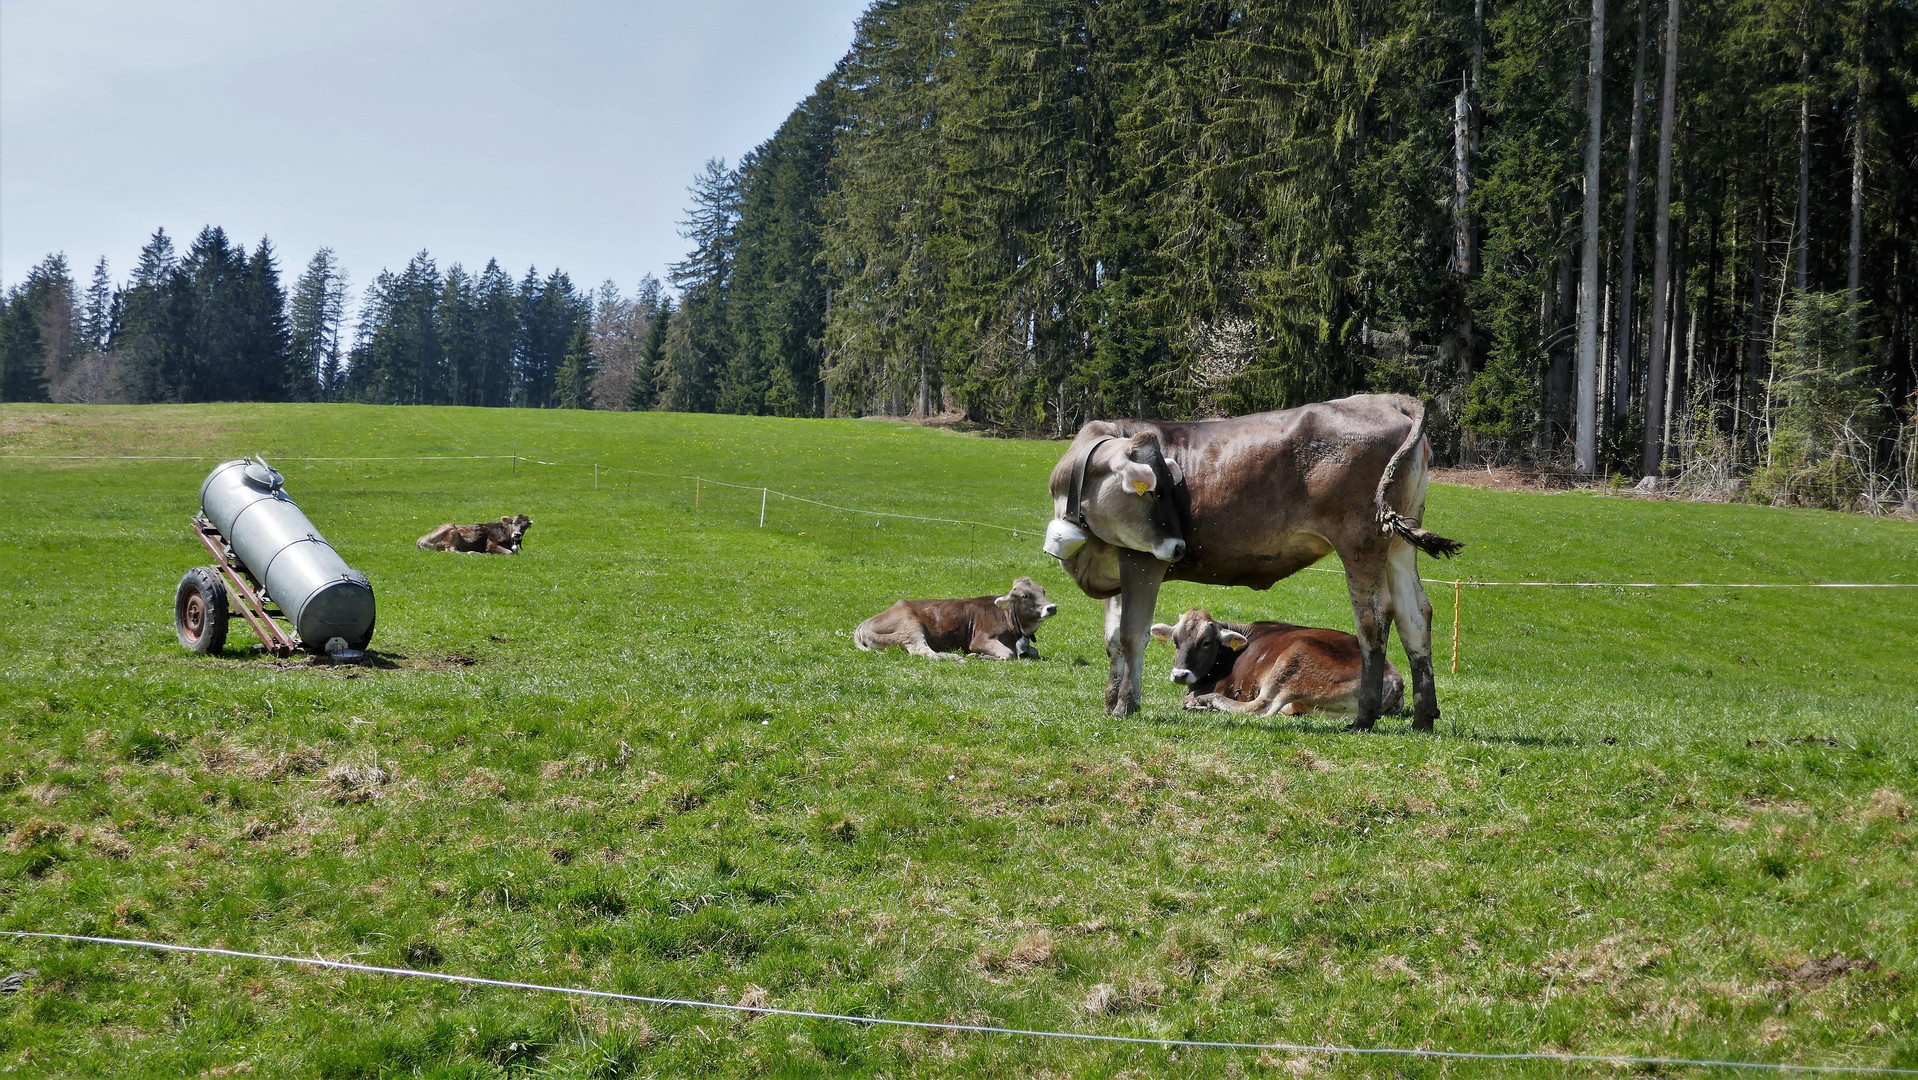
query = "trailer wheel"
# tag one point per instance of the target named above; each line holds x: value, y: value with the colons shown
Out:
x: 199, y: 610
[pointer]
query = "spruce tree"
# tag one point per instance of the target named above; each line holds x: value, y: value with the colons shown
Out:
x: 703, y: 277
x: 652, y: 358
x: 496, y: 337
x: 265, y: 346
x: 573, y: 385
x: 315, y: 314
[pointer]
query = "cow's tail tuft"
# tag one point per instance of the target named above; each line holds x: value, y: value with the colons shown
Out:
x: 1393, y: 523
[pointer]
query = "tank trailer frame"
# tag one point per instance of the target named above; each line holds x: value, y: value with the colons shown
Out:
x: 243, y: 592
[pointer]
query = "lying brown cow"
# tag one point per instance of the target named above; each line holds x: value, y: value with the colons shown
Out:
x: 1270, y: 667
x: 500, y: 537
x: 1249, y: 501
x: 1001, y: 627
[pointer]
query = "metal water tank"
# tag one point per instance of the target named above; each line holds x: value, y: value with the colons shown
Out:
x: 320, y: 595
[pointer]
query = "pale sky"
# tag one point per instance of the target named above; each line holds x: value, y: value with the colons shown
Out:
x: 558, y: 133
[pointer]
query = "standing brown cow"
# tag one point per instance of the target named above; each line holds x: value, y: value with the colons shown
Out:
x: 1269, y: 667
x: 1248, y: 501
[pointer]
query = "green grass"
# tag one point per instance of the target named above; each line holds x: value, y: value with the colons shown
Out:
x: 668, y: 772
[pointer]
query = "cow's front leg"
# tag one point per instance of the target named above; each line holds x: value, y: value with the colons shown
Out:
x: 1128, y: 627
x: 993, y: 649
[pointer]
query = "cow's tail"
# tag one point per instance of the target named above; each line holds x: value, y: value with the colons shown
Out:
x: 1393, y: 523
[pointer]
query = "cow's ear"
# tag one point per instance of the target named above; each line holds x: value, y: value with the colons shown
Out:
x: 1162, y: 631
x: 1004, y: 602
x: 1178, y: 474
x: 1139, y: 479
x: 1232, y: 639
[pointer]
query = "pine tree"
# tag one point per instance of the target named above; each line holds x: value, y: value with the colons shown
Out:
x: 497, y: 337
x: 458, y: 317
x: 316, y: 312
x: 573, y: 385
x: 96, y: 326
x: 149, y: 339
x: 703, y: 278
x: 40, y: 332
x: 652, y: 358
x: 265, y: 345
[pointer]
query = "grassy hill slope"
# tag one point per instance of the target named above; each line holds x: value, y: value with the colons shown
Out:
x: 644, y: 756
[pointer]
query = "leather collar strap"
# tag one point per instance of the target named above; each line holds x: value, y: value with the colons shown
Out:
x: 1075, y: 513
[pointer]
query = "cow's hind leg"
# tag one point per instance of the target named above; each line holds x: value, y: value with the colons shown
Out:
x: 1412, y: 613
x: 1128, y: 625
x: 1366, y: 581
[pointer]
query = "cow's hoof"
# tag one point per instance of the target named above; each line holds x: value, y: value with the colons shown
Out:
x: 1360, y: 725
x: 1425, y: 723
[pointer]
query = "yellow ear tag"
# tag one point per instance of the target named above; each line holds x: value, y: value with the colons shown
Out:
x: 1140, y: 486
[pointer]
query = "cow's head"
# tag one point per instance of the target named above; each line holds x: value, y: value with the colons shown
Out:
x: 1027, y: 604
x: 1197, y: 643
x: 1126, y: 497
x: 516, y: 526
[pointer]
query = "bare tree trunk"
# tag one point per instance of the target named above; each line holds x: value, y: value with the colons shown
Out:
x: 1654, y: 445
x: 1622, y: 373
x: 1801, y: 226
x: 1678, y: 305
x: 1465, y: 132
x: 1854, y: 269
x: 1754, y: 334
x: 1585, y: 445
x: 1605, y: 339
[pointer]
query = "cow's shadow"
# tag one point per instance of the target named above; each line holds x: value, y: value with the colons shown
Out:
x: 1319, y: 724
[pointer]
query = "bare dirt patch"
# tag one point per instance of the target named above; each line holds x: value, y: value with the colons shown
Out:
x: 1816, y: 973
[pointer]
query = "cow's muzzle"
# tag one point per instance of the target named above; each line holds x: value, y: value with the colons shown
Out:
x: 1169, y: 550
x: 1184, y: 676
x: 1063, y: 538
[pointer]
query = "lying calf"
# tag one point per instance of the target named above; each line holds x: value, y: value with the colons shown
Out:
x: 1268, y: 667
x: 1002, y: 627
x: 500, y: 537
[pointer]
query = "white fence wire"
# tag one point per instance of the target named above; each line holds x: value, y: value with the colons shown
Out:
x: 978, y: 1029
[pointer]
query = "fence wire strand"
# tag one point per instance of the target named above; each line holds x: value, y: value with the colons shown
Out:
x: 971, y: 1029
x: 1015, y: 532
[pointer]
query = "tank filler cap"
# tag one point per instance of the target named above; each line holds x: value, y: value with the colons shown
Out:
x: 263, y: 476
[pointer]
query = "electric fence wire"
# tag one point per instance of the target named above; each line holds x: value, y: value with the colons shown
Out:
x: 979, y: 1029
x: 1015, y: 532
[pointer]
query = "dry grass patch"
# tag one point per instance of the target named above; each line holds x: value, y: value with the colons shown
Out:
x: 1888, y: 805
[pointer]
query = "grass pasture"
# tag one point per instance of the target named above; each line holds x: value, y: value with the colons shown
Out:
x: 644, y: 756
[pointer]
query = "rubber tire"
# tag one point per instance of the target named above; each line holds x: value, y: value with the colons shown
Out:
x: 199, y: 611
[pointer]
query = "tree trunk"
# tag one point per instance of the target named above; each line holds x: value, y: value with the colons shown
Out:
x: 1755, y: 331
x: 1673, y: 396
x: 1622, y: 373
x: 1855, y: 267
x: 1801, y: 226
x: 1585, y: 452
x: 1654, y: 444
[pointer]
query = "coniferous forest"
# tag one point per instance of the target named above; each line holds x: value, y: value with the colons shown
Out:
x: 1627, y: 237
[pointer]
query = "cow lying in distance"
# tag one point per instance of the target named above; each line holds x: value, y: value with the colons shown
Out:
x: 500, y: 537
x: 1000, y: 627
x: 1269, y: 667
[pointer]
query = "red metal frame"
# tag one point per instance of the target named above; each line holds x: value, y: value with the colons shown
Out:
x: 245, y: 594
